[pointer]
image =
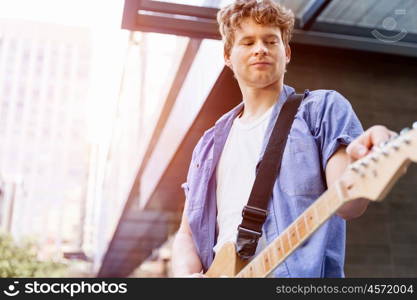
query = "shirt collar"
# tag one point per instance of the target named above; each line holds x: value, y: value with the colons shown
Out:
x: 223, y: 125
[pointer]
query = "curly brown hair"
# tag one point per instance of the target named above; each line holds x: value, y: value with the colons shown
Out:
x: 265, y: 12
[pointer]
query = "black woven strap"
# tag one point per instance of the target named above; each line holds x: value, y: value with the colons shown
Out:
x: 255, y: 212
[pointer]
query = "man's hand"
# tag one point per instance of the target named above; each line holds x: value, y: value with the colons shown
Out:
x: 359, y: 148
x: 374, y: 136
x: 185, y: 260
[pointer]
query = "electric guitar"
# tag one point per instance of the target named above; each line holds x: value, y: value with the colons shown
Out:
x: 371, y: 177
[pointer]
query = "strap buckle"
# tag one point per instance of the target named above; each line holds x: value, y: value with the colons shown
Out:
x: 247, y: 241
x: 255, y: 214
x: 250, y: 233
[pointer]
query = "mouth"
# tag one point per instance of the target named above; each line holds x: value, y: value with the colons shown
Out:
x: 261, y: 64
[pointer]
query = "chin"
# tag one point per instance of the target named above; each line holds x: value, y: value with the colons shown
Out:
x: 264, y: 83
x: 265, y: 79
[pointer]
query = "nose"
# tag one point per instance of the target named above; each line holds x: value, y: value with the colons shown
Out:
x: 261, y: 49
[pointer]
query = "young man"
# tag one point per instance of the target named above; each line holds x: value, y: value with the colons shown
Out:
x: 256, y: 37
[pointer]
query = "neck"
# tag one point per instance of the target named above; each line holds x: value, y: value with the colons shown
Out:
x: 258, y: 100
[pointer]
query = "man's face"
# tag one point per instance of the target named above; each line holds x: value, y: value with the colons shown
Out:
x: 258, y: 56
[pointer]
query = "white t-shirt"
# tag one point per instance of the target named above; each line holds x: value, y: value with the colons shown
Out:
x: 235, y: 175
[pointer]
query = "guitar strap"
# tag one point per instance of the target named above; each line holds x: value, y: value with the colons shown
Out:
x: 255, y: 212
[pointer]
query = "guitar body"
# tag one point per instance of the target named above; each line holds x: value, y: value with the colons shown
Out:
x: 226, y: 263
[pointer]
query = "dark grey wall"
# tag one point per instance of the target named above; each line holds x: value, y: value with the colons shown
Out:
x: 382, y: 90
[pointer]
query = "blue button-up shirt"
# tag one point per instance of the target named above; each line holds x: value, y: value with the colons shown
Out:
x: 324, y: 121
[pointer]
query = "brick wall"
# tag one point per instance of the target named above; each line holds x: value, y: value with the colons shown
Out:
x: 382, y: 90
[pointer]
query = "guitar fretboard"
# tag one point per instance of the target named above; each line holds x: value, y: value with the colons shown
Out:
x: 295, y: 234
x: 371, y: 177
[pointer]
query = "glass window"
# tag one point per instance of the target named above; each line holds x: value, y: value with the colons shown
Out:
x: 206, y: 3
x: 295, y: 5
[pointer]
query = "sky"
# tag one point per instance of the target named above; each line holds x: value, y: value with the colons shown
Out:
x: 66, y: 12
x: 109, y: 42
x: 102, y: 19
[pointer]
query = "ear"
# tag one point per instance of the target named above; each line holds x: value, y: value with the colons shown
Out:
x: 288, y: 54
x: 227, y: 61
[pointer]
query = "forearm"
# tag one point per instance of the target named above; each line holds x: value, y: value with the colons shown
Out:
x: 335, y: 168
x: 185, y: 260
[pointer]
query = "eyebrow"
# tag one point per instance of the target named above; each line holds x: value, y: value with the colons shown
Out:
x: 247, y: 37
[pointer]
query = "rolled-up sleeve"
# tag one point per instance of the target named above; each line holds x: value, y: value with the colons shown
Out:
x: 336, y: 124
x: 186, y: 185
x: 186, y: 188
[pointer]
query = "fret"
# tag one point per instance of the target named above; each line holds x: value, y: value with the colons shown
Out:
x: 321, y: 209
x: 335, y: 200
x: 287, y: 233
x: 250, y: 270
x: 267, y: 258
x: 301, y: 227
x: 273, y: 253
x: 340, y: 192
x: 329, y: 201
x: 292, y: 235
x: 304, y: 216
x: 329, y: 204
x: 336, y: 196
x: 280, y: 249
x: 285, y: 243
x: 259, y: 263
x: 266, y: 264
x: 316, y: 214
x: 310, y: 220
x: 257, y: 267
x: 297, y: 231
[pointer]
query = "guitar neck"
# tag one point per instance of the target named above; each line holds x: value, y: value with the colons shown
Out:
x: 370, y: 177
x: 295, y: 234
